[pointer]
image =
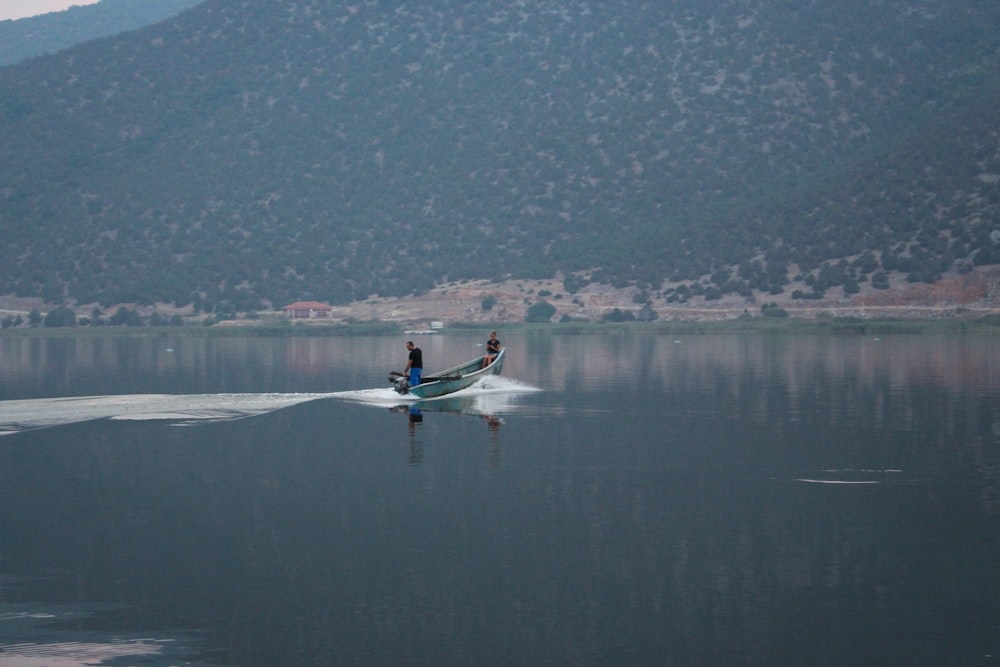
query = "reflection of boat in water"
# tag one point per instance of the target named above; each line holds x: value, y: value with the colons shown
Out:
x: 489, y: 401
x: 487, y: 406
x: 451, y: 380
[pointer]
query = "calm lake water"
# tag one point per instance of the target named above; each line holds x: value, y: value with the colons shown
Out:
x: 712, y: 499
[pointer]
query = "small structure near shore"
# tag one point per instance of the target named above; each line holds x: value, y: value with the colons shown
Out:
x: 307, y: 310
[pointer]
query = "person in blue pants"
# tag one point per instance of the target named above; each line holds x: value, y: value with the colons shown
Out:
x: 414, y: 364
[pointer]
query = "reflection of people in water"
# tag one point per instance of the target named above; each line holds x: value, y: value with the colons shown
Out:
x: 413, y: 419
x: 415, y: 414
x: 492, y: 423
x: 492, y: 349
x: 416, y: 448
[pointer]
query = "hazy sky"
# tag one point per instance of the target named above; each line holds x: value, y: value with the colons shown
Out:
x: 18, y: 9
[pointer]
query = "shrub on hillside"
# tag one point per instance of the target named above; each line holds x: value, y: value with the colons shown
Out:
x: 542, y: 311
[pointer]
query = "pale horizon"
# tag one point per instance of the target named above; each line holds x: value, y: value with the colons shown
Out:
x: 20, y: 9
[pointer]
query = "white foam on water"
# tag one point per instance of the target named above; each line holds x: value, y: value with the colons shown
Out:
x: 24, y: 415
x: 374, y: 396
x: 76, y: 654
x: 31, y: 637
x: 499, y: 384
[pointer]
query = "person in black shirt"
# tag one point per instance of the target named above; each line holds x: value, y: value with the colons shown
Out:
x: 414, y: 364
x: 492, y: 349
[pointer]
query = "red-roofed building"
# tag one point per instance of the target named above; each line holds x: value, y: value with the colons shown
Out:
x: 306, y: 310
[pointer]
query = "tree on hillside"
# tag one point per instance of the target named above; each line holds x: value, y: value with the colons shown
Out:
x: 540, y: 311
x: 60, y: 317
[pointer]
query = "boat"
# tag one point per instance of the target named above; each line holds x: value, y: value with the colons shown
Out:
x: 450, y: 380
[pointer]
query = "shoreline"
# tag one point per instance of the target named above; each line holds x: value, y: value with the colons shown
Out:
x: 960, y: 299
x: 827, y: 324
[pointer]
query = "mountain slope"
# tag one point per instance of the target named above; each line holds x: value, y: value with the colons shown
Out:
x: 270, y: 151
x: 55, y: 31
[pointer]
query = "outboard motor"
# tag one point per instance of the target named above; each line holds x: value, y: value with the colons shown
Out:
x: 401, y: 384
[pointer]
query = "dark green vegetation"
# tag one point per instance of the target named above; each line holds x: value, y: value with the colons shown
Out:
x: 261, y: 152
x: 55, y: 31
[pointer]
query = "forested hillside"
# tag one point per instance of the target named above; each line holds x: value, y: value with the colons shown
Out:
x: 252, y: 152
x: 48, y: 33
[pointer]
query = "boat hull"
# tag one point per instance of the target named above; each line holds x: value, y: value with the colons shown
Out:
x: 458, y: 378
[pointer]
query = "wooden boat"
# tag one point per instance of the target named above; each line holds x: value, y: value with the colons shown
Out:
x: 450, y: 380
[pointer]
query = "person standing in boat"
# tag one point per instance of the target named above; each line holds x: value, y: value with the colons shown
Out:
x: 414, y: 364
x: 492, y: 349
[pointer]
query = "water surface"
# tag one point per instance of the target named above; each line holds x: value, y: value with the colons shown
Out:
x: 647, y: 500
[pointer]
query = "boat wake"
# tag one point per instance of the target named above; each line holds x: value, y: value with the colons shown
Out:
x: 26, y: 415
x: 56, y: 635
x: 185, y: 409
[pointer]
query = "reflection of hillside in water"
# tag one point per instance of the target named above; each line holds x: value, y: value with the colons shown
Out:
x: 878, y: 379
x: 873, y: 396
x: 953, y: 362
